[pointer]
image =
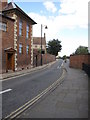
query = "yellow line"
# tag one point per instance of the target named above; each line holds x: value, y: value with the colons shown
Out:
x: 35, y: 99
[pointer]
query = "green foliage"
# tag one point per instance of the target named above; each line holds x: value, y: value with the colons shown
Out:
x: 54, y: 46
x: 64, y: 57
x: 82, y: 50
x: 39, y: 50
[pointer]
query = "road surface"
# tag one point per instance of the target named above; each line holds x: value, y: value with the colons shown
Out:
x: 17, y: 91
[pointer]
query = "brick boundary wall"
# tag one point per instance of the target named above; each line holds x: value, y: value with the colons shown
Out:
x: 46, y: 58
x: 76, y: 61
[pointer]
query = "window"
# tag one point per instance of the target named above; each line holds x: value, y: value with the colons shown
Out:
x: 20, y: 28
x: 27, y: 49
x: 27, y: 31
x: 20, y: 49
x: 3, y: 26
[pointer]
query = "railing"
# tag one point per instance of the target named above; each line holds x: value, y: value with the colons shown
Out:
x: 86, y: 68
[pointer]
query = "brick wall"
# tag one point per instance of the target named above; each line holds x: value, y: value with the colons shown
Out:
x: 46, y: 58
x: 24, y: 59
x: 7, y: 40
x: 77, y: 60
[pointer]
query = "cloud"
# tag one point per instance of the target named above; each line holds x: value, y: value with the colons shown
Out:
x: 73, y: 6
x: 50, y: 6
x: 73, y: 14
x: 76, y: 9
x: 68, y: 6
x: 70, y: 44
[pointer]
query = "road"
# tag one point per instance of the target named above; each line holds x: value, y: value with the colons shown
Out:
x: 19, y: 90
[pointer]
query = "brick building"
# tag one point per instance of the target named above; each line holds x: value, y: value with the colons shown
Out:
x: 16, y: 29
x: 6, y: 45
x: 37, y: 48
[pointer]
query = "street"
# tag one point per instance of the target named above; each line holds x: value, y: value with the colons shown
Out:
x: 69, y: 100
x: 17, y: 91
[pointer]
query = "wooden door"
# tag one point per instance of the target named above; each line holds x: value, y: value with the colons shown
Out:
x: 10, y: 61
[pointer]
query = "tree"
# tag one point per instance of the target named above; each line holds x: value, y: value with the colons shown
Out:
x: 54, y: 46
x: 82, y: 50
x: 64, y: 57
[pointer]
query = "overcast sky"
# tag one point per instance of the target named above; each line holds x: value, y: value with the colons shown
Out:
x: 67, y: 20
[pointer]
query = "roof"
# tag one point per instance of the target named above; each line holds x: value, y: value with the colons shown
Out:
x: 13, y: 7
x: 37, y: 40
x: 4, y: 16
x: 10, y: 49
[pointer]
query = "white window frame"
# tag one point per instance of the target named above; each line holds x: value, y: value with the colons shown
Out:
x: 20, y: 48
x: 3, y: 26
x: 20, y: 28
x: 27, y: 31
x: 27, y: 49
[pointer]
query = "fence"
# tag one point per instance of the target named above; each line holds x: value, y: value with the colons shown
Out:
x: 86, y: 68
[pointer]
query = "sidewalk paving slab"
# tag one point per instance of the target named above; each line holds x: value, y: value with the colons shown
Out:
x: 68, y: 100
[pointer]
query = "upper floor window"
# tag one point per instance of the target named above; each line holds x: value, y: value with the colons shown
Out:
x: 27, y: 31
x: 3, y: 26
x: 27, y: 49
x: 20, y: 48
x: 20, y: 27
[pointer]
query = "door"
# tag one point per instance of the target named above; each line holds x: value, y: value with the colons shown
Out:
x: 10, y: 61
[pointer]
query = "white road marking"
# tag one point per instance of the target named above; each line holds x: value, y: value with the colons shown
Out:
x: 59, y: 67
x: 62, y: 64
x: 5, y: 91
x: 28, y: 104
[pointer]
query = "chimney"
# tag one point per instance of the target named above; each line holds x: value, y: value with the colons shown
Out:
x: 3, y: 3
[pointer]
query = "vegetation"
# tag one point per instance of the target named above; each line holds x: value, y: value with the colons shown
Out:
x: 64, y: 57
x: 82, y: 50
x: 54, y: 46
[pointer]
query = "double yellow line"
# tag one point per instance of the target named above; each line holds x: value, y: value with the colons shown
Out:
x: 35, y: 99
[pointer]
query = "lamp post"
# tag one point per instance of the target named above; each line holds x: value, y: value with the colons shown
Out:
x: 41, y: 41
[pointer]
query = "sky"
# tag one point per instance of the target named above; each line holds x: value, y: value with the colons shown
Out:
x: 67, y: 21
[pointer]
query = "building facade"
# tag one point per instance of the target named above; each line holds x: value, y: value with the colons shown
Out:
x: 37, y: 48
x: 7, y: 51
x: 18, y: 50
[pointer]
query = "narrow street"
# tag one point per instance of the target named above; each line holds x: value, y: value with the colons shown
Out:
x: 69, y: 100
x: 19, y: 90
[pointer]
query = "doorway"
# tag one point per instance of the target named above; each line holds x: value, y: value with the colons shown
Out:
x: 10, y: 61
x: 10, y: 55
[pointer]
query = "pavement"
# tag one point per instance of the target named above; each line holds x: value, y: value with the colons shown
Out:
x: 23, y: 72
x: 68, y: 100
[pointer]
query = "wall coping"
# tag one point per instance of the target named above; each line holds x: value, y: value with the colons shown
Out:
x: 80, y: 54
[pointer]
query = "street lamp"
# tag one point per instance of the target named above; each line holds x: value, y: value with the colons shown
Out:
x: 41, y: 39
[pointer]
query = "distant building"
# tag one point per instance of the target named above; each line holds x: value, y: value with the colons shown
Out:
x: 16, y: 29
x: 37, y: 47
x: 37, y: 44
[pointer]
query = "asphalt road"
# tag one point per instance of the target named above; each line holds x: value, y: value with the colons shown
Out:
x: 22, y: 89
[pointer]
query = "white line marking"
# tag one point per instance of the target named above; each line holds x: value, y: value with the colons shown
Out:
x: 58, y: 67
x: 62, y: 64
x: 5, y: 91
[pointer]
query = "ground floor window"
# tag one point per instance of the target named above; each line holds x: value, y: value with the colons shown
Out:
x: 27, y: 49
